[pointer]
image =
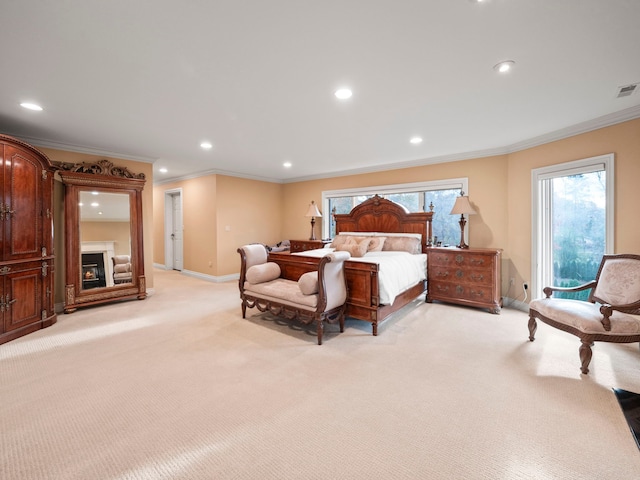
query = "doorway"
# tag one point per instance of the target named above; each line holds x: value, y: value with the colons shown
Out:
x: 173, y: 230
x: 573, y: 222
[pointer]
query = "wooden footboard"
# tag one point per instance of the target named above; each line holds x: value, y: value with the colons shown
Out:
x: 363, y: 299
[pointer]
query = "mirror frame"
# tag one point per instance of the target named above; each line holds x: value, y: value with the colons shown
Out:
x: 108, y: 178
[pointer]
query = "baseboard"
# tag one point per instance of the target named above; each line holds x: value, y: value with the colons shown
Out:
x: 203, y: 276
x: 515, y: 304
x: 212, y: 278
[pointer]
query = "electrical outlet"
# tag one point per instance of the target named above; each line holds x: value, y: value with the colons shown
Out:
x: 525, y: 286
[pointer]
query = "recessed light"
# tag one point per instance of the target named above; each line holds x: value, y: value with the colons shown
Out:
x: 504, y: 67
x: 95, y: 204
x: 95, y: 193
x: 416, y: 140
x: 286, y: 164
x: 163, y: 170
x: 206, y: 145
x: 31, y: 106
x: 343, y: 93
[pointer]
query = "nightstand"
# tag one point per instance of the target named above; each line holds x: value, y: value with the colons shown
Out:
x: 469, y: 276
x: 304, y: 245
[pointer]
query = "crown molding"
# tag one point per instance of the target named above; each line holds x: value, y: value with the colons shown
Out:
x: 205, y: 173
x: 70, y: 147
x: 580, y: 128
x: 601, y: 122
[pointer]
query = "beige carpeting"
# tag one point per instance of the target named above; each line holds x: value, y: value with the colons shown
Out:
x: 179, y: 386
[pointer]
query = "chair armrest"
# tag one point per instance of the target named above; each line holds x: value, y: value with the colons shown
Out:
x: 548, y: 291
x: 606, y: 311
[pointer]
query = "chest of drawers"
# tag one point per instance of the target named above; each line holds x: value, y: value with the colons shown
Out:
x: 468, y: 276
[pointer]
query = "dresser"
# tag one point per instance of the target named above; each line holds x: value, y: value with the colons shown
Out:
x: 26, y: 237
x: 469, y: 276
x: 304, y: 245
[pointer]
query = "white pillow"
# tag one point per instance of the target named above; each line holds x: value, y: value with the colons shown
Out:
x: 264, y: 272
x: 308, y: 283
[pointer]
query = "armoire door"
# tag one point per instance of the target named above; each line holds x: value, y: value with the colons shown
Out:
x: 21, y: 298
x: 21, y: 206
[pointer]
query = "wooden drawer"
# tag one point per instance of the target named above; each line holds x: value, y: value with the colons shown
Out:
x: 462, y: 275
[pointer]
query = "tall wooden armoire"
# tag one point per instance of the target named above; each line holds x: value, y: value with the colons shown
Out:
x: 26, y: 239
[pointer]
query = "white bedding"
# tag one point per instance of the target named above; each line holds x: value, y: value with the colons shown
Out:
x: 398, y: 270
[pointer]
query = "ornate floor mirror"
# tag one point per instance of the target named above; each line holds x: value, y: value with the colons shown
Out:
x: 103, y: 223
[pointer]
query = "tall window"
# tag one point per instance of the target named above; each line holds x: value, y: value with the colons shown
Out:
x: 415, y: 197
x: 573, y: 222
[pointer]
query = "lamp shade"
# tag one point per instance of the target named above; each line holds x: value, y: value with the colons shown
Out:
x: 462, y: 206
x: 313, y: 210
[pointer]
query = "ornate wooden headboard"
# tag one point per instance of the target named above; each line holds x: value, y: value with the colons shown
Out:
x: 378, y: 214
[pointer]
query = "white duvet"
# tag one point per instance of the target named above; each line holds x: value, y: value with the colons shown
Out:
x: 398, y: 270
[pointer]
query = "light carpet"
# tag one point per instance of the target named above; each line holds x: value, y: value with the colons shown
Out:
x: 179, y: 386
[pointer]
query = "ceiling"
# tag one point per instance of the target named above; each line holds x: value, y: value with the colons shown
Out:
x: 150, y: 80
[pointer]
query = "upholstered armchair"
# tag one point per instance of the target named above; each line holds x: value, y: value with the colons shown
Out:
x: 317, y: 296
x: 121, y: 269
x: 611, y: 313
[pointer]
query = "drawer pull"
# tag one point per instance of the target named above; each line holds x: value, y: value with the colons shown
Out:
x: 442, y: 274
x: 476, y: 261
x: 477, y: 277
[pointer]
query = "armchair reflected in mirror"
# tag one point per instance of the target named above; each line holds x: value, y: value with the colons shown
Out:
x: 103, y: 223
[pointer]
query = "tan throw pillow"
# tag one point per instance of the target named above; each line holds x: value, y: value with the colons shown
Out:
x: 121, y: 268
x: 355, y: 249
x: 308, y: 283
x: 376, y: 244
x: 338, y: 240
x: 402, y: 244
x: 264, y: 272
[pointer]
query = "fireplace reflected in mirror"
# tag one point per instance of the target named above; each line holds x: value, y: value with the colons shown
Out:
x: 105, y: 235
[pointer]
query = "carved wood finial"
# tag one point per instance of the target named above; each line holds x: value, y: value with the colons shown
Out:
x: 101, y: 167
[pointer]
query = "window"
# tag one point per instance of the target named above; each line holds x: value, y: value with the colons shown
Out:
x: 572, y: 222
x: 415, y: 197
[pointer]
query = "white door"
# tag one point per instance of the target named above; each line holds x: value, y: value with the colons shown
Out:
x: 173, y: 244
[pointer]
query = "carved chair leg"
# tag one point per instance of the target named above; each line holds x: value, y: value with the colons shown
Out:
x: 533, y: 326
x: 374, y: 328
x: 244, y: 309
x: 585, y: 356
x: 320, y: 330
x: 341, y: 320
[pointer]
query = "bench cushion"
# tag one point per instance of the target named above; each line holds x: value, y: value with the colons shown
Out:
x: 284, y: 291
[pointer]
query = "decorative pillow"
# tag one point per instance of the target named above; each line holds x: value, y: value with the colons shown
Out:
x: 343, y: 237
x: 338, y: 240
x: 308, y: 283
x: 376, y: 244
x: 264, y: 272
x: 122, y: 268
x: 403, y: 244
x: 355, y: 248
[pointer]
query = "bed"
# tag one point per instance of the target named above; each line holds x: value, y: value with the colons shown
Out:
x: 374, y: 217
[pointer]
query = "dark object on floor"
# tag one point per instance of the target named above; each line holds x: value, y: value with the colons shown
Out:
x: 630, y: 404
